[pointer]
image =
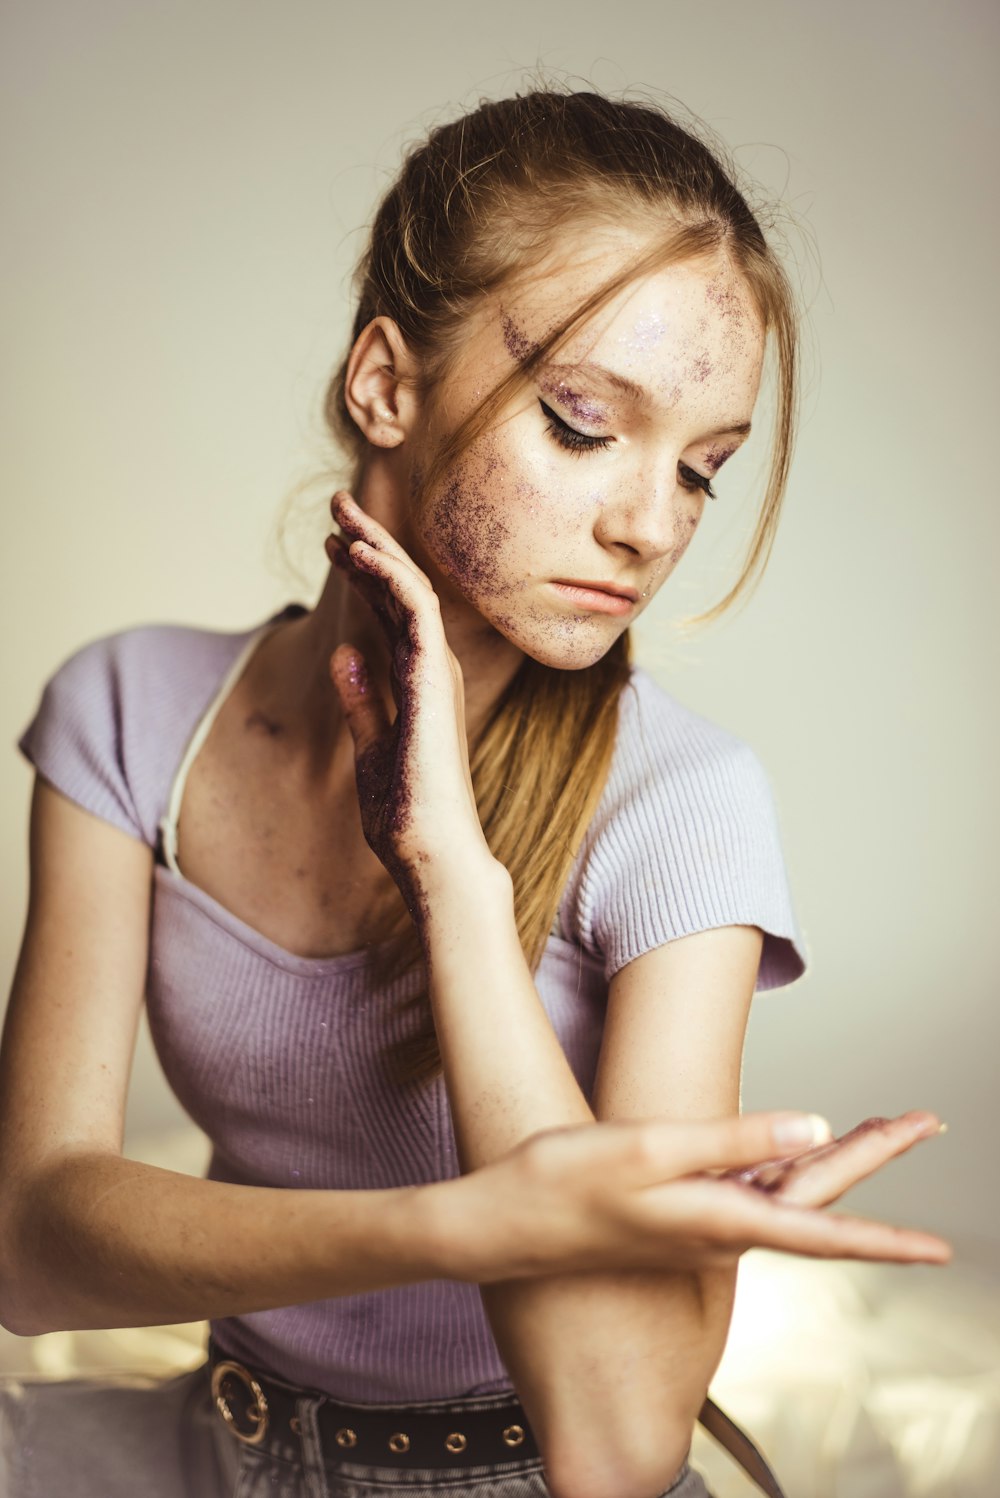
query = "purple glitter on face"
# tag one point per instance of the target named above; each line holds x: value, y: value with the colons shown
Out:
x: 685, y: 539
x: 467, y: 531
x: 716, y: 456
x: 516, y: 342
x: 725, y: 297
x: 580, y: 407
x: 647, y: 332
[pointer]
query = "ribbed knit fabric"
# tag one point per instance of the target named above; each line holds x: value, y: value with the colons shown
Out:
x: 276, y: 1056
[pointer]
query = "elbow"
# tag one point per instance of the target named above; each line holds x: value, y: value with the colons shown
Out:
x: 15, y: 1312
x: 20, y: 1297
x: 17, y: 1326
x: 586, y: 1467
x: 12, y: 1317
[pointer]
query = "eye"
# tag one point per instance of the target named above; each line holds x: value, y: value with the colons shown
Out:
x: 695, y: 481
x: 568, y: 437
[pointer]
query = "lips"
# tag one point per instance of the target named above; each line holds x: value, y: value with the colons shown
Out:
x: 614, y: 589
x: 596, y: 597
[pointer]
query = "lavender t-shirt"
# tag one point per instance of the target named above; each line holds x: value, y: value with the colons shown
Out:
x: 276, y: 1057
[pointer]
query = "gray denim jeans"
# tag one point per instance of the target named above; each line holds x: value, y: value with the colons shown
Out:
x: 135, y: 1437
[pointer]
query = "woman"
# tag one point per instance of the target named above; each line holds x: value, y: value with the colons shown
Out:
x: 448, y: 920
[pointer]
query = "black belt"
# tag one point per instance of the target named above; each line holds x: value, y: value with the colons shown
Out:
x: 484, y: 1431
x: 481, y: 1432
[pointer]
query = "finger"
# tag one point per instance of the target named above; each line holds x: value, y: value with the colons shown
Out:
x: 405, y: 584
x: 679, y: 1148
x: 747, y: 1219
x: 824, y: 1178
x: 370, y: 588
x: 358, y: 525
x: 361, y: 704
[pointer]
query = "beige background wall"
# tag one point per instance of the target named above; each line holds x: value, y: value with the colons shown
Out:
x: 183, y: 188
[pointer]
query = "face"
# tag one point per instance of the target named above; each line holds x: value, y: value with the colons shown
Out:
x: 563, y: 520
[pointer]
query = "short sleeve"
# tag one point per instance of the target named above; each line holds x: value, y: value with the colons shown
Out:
x: 686, y: 838
x: 74, y: 739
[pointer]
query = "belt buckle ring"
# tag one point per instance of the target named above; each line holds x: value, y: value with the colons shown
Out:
x: 256, y: 1412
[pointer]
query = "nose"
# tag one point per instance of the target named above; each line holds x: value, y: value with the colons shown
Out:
x: 649, y: 517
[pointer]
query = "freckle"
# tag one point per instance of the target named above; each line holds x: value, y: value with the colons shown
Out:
x: 300, y: 873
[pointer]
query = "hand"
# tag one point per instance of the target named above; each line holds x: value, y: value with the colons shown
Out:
x: 823, y: 1174
x: 414, y: 784
x: 655, y: 1194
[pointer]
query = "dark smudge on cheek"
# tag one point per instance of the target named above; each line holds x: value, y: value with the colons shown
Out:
x: 687, y: 529
x: 467, y: 531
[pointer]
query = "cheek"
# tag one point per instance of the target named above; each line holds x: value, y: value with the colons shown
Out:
x: 466, y: 526
x: 686, y: 526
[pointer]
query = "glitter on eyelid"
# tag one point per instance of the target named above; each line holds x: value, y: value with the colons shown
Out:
x: 578, y: 405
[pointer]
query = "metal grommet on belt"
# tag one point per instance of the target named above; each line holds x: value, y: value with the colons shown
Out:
x: 456, y: 1441
x: 399, y: 1441
x: 346, y: 1437
x: 513, y: 1435
x: 256, y: 1412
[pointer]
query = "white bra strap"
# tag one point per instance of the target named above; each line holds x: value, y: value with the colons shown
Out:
x: 168, y: 823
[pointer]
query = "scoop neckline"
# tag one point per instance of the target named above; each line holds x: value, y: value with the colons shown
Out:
x: 279, y: 956
x: 248, y: 936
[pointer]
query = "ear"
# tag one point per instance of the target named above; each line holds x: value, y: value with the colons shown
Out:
x: 380, y: 388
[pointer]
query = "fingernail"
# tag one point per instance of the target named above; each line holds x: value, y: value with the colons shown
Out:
x: 808, y: 1128
x: 943, y: 1129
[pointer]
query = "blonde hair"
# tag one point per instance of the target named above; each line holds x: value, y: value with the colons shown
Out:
x: 474, y: 207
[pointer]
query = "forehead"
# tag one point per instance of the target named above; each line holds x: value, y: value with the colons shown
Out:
x: 687, y: 332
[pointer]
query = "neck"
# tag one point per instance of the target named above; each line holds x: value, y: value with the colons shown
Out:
x: 293, y: 669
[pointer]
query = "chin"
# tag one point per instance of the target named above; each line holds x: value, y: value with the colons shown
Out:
x: 568, y: 643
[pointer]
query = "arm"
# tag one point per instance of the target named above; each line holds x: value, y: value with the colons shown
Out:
x: 612, y: 1367
x: 90, y: 1239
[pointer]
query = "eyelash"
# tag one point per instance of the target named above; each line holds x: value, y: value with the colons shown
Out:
x: 579, y: 442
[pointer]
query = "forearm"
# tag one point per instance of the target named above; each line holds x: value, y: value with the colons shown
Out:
x: 506, y: 1073
x: 624, y: 1358
x: 101, y: 1241
x: 621, y: 1359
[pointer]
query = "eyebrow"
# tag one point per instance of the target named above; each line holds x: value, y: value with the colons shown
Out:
x: 637, y: 393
